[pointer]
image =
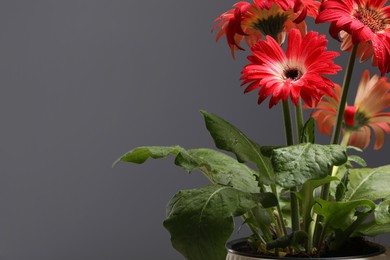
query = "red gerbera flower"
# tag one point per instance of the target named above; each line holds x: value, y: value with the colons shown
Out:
x: 367, y: 22
x: 296, y: 73
x: 230, y: 24
x: 373, y: 96
x: 263, y: 17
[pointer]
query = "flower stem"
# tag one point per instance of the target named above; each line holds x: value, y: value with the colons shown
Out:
x: 299, y: 120
x: 336, y: 136
x: 343, y: 99
x: 346, y: 137
x: 280, y: 220
x: 287, y: 123
x: 293, y: 190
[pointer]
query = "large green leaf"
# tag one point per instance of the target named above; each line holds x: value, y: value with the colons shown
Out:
x: 341, y: 219
x: 366, y: 183
x: 200, y: 221
x: 340, y: 215
x: 219, y: 168
x: 381, y: 223
x: 227, y: 137
x: 373, y: 229
x: 294, y: 165
x: 141, y: 154
x: 306, y: 195
x: 382, y: 213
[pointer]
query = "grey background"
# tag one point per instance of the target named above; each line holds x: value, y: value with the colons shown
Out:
x: 82, y: 82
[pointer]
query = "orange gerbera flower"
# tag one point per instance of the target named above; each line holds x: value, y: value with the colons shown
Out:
x: 373, y: 96
x: 250, y: 21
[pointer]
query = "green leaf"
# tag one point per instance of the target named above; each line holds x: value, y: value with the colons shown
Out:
x: 294, y: 165
x: 340, y: 215
x: 342, y: 187
x: 306, y: 194
x: 262, y: 217
x: 342, y: 219
x: 200, y: 221
x: 357, y: 159
x: 308, y: 131
x: 372, y: 229
x: 219, y: 168
x: 141, y: 154
x: 371, y: 184
x: 381, y: 222
x: 227, y: 137
x: 382, y: 213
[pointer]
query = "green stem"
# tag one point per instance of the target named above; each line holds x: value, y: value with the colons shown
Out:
x: 293, y: 190
x: 253, y: 229
x: 346, y: 137
x: 343, y: 99
x: 294, y: 210
x: 266, y: 232
x: 344, y: 142
x: 280, y: 221
x: 299, y: 120
x: 336, y: 134
x: 287, y: 123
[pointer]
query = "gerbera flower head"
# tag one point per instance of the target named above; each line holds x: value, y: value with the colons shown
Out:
x: 250, y: 21
x: 296, y: 73
x: 372, y: 98
x: 230, y: 25
x: 363, y: 22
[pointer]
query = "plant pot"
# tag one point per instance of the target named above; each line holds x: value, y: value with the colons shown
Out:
x: 377, y: 252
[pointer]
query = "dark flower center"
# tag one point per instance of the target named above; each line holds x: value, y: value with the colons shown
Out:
x: 372, y: 18
x: 293, y: 74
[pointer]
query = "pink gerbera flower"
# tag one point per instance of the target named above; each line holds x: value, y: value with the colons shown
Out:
x: 373, y: 96
x: 365, y: 22
x: 296, y: 73
x: 263, y: 17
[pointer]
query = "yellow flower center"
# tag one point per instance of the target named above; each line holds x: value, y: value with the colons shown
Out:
x: 372, y: 18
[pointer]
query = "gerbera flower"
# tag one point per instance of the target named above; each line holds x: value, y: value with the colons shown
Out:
x: 230, y: 25
x: 373, y: 96
x: 263, y: 17
x: 296, y: 73
x: 365, y: 22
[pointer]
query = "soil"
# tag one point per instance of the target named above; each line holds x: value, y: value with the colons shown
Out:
x: 354, y: 247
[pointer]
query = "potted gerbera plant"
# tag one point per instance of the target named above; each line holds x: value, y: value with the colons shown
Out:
x: 302, y: 199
